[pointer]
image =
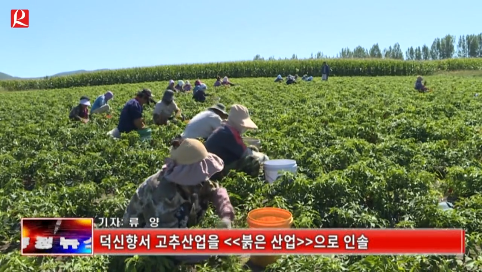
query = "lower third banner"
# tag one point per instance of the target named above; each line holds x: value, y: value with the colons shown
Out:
x: 278, y: 242
x: 57, y: 236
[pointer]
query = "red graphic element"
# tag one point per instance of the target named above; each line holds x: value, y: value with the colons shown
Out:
x: 57, y: 236
x: 279, y: 242
x: 19, y: 18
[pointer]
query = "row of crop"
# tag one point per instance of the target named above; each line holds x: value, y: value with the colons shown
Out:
x: 339, y: 67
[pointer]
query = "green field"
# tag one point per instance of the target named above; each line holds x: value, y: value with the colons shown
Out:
x: 371, y: 151
x: 250, y: 69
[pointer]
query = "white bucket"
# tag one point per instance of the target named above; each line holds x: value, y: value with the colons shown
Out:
x: 272, y: 168
x: 446, y: 206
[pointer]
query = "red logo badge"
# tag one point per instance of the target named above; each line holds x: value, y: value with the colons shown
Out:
x: 19, y: 18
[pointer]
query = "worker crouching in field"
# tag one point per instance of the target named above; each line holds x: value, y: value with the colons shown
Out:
x: 419, y: 86
x: 226, y: 142
x: 226, y: 82
x: 178, y: 195
x: 81, y: 111
x: 279, y: 78
x: 291, y: 79
x: 165, y: 109
x: 307, y: 78
x: 131, y: 116
x: 187, y: 86
x: 100, y: 104
x: 204, y: 123
x: 218, y: 82
x: 179, y: 85
x: 199, y: 92
x: 171, y: 86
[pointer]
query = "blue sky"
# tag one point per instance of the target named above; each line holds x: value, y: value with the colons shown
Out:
x: 67, y: 35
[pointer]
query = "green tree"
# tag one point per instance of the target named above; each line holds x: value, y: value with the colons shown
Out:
x: 258, y: 57
x: 425, y: 52
x: 474, y: 45
x: 418, y: 53
x: 462, y: 51
x: 360, y: 52
x: 435, y: 49
x: 375, y: 51
x: 447, y: 47
x: 346, y: 53
x: 410, y: 53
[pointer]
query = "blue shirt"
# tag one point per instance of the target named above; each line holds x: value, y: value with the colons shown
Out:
x: 418, y: 85
x: 99, y: 102
x: 132, y: 111
x: 226, y: 143
x: 199, y: 95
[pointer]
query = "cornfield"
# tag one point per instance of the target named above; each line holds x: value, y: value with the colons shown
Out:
x: 245, y: 69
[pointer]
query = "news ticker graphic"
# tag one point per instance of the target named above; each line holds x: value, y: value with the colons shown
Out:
x: 57, y: 236
x: 77, y: 236
x: 279, y: 241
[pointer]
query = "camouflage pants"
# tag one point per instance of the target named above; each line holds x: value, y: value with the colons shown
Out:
x: 249, y: 164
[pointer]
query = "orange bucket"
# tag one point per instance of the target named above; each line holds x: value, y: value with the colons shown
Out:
x: 268, y: 218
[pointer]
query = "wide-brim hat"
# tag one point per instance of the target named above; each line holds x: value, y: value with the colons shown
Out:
x: 239, y: 114
x: 220, y: 107
x: 147, y: 93
x: 194, y: 163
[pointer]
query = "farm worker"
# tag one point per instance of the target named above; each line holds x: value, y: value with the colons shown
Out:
x: 187, y: 87
x: 307, y: 78
x: 100, y: 104
x: 279, y: 78
x: 227, y: 82
x: 165, y: 108
x: 204, y: 123
x: 199, y: 93
x: 178, y: 195
x: 325, y: 71
x: 419, y: 86
x: 131, y: 115
x: 197, y: 85
x: 291, y: 79
x: 171, y: 85
x: 81, y: 112
x: 179, y: 85
x: 218, y: 82
x: 226, y: 142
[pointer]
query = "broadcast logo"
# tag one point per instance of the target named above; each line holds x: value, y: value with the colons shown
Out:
x: 19, y: 18
x: 57, y: 236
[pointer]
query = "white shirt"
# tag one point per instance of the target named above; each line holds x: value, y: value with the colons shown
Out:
x: 202, y: 125
x: 166, y: 110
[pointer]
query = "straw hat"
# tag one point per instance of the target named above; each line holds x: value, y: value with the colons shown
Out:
x: 190, y: 151
x: 239, y: 115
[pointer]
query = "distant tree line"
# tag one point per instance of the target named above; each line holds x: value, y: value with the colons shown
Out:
x: 468, y: 46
